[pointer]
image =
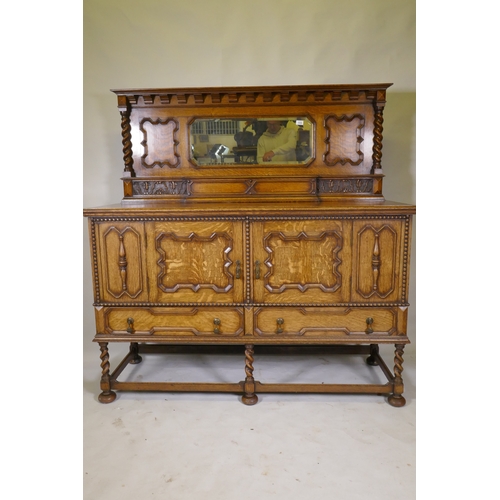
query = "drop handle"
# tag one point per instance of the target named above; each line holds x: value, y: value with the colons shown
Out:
x: 279, y: 325
x: 216, y: 325
x: 130, y: 323
x: 238, y: 270
x: 257, y: 269
x: 369, y: 322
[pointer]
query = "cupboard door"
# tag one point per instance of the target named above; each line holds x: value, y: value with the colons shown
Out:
x: 301, y: 261
x: 195, y: 261
x: 378, y: 247
x: 121, y: 255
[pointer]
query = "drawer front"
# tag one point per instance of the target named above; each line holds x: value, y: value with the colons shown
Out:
x: 172, y: 321
x: 325, y: 322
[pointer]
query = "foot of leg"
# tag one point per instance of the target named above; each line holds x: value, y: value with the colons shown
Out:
x: 371, y: 359
x: 107, y: 397
x: 396, y: 401
x: 134, y: 349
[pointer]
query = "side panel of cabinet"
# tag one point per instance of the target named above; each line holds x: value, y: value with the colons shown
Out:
x: 121, y: 261
x: 195, y: 261
x: 301, y: 261
x: 378, y: 253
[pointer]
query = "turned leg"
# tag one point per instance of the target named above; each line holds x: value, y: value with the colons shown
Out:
x: 134, y: 350
x: 107, y: 395
x: 249, y: 398
x: 371, y: 359
x: 396, y: 399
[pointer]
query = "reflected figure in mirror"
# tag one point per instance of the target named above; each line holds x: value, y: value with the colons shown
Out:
x: 277, y: 144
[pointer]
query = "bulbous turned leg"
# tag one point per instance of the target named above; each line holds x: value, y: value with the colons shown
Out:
x: 134, y: 349
x: 249, y: 398
x: 371, y: 360
x: 107, y: 395
x: 397, y: 399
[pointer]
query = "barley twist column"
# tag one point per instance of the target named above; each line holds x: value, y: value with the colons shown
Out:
x: 249, y: 398
x: 377, y: 139
x: 107, y: 395
x: 396, y: 399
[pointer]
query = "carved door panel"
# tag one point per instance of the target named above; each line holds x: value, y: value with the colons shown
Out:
x: 195, y: 261
x: 378, y: 247
x: 303, y: 261
x: 121, y: 255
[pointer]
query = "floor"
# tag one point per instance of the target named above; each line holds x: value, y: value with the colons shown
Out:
x: 211, y: 446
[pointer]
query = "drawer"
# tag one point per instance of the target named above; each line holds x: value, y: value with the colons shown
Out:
x: 172, y: 321
x: 329, y: 321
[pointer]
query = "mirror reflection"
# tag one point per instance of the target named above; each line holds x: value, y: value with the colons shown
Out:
x: 259, y: 141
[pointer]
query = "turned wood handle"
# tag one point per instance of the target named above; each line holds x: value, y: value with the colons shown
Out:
x: 130, y: 322
x: 216, y: 325
x: 257, y: 269
x: 369, y: 322
x: 279, y: 323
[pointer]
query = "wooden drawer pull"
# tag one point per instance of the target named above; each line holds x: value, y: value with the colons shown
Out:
x: 130, y: 322
x: 279, y: 323
x: 257, y: 269
x: 216, y: 325
x: 369, y: 322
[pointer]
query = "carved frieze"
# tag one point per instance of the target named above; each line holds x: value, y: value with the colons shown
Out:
x: 156, y: 188
x: 345, y: 186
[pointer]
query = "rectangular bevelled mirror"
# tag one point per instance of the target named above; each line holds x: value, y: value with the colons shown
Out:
x: 251, y: 141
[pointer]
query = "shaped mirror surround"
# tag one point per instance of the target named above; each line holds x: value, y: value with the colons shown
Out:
x: 246, y: 141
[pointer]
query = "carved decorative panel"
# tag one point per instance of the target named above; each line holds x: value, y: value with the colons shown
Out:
x: 345, y: 186
x: 302, y: 261
x: 123, y: 262
x: 160, y: 146
x: 377, y: 257
x: 157, y: 188
x: 194, y: 262
x: 344, y: 139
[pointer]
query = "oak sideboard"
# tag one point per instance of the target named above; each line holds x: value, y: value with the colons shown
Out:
x: 252, y: 219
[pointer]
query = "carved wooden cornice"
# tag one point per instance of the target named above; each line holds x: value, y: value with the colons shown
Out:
x: 301, y: 94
